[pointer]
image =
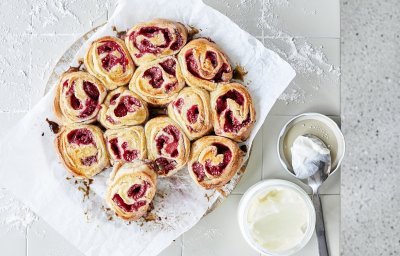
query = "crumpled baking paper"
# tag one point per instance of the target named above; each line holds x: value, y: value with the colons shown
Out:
x: 31, y: 170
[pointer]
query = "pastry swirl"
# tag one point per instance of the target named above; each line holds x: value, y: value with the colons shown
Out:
x: 126, y: 144
x: 158, y: 38
x: 167, y: 145
x: 204, y: 65
x: 191, y: 110
x: 233, y: 111
x: 122, y: 108
x: 159, y: 81
x: 131, y: 188
x: 78, y: 97
x: 82, y: 150
x: 214, y: 161
x: 109, y: 61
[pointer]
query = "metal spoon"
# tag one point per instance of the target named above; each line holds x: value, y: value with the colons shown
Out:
x: 315, y: 181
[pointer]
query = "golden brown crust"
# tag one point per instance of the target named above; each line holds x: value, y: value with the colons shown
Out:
x: 78, y: 98
x: 232, y: 111
x: 82, y: 159
x: 122, y: 108
x: 191, y: 110
x: 131, y: 188
x: 126, y: 144
x: 108, y: 59
x: 157, y: 46
x: 167, y: 145
x: 204, y: 65
x: 213, y: 161
x: 158, y: 82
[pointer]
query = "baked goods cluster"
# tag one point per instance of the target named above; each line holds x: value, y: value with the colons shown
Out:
x: 109, y: 113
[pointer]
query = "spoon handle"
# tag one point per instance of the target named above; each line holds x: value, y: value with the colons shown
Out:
x: 320, y: 226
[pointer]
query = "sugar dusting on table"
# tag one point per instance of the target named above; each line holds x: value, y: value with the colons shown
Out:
x: 309, y: 61
x: 14, y: 216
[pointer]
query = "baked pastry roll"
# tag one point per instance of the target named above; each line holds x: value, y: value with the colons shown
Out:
x: 159, y: 81
x: 126, y: 144
x: 158, y: 38
x: 122, y: 108
x: 204, y: 65
x: 214, y: 160
x: 191, y: 110
x: 82, y: 150
x: 109, y: 61
x: 233, y: 111
x: 78, y: 97
x: 131, y: 188
x: 167, y: 145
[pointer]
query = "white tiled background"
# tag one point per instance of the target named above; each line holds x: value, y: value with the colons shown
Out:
x: 35, y: 34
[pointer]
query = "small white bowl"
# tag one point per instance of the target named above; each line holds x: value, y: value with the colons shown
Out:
x: 260, y: 188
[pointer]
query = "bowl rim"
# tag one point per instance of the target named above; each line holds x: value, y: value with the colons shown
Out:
x: 337, y: 131
x: 261, y: 187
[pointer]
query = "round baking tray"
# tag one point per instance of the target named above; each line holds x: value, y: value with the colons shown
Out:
x: 64, y: 63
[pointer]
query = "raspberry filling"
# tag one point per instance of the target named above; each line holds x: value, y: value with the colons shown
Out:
x: 168, y: 143
x: 216, y: 170
x: 155, y: 77
x: 74, y: 101
x: 177, y: 44
x: 198, y: 170
x: 169, y: 66
x: 193, y: 67
x: 117, y: 199
x: 126, y: 104
x: 178, y: 104
x: 91, y: 102
x: 231, y: 123
x: 110, y: 59
x: 145, y: 46
x: 80, y: 137
x: 114, y: 148
x: 89, y: 161
x: 135, y: 192
x: 233, y: 95
x: 165, y: 165
x: 127, y: 154
x: 114, y: 98
x: 192, y: 114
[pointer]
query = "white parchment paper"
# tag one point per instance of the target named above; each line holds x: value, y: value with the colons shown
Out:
x: 31, y: 170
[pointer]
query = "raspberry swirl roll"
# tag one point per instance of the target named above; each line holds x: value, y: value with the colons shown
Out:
x: 78, y: 98
x: 167, y: 145
x: 122, y: 108
x: 158, y: 38
x: 158, y: 82
x: 204, y: 65
x: 214, y: 161
x: 191, y: 110
x: 233, y: 111
x: 109, y: 61
x: 131, y: 188
x: 82, y: 150
x: 126, y: 144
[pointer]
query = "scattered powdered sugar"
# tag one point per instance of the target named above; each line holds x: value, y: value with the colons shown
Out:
x: 14, y: 216
x: 309, y: 60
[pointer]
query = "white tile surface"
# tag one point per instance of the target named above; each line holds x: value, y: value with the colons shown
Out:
x: 305, y: 18
x: 45, y: 241
x: 68, y: 17
x: 12, y: 243
x: 320, y: 87
x: 38, y: 31
x: 218, y: 233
